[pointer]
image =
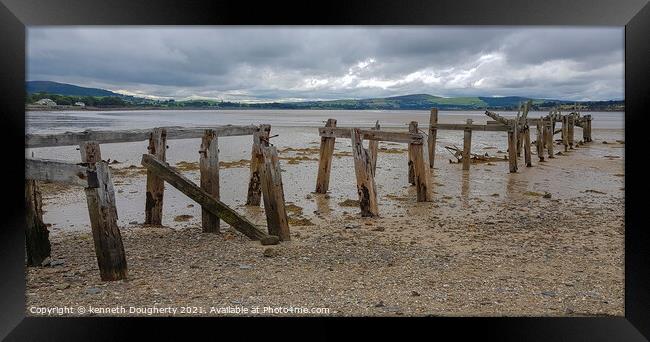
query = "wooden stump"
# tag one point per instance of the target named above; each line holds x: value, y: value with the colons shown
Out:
x: 527, y: 147
x: 373, y: 148
x: 433, y: 132
x: 540, y: 139
x: 155, y: 185
x: 109, y: 249
x: 549, y: 137
x: 274, y: 205
x: 420, y: 170
x: 512, y: 147
x: 260, y: 138
x: 36, y: 234
x: 209, y: 168
x: 325, y: 160
x: 365, y: 180
x: 413, y: 128
x: 467, y: 146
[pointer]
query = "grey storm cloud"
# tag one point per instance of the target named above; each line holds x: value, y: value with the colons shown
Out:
x: 307, y: 63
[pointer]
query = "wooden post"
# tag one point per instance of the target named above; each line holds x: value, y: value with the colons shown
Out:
x: 540, y: 139
x: 260, y: 138
x: 276, y: 214
x: 585, y: 128
x: 589, y: 120
x: 209, y: 168
x: 527, y: 147
x: 413, y: 128
x: 109, y: 249
x: 36, y: 234
x: 213, y: 205
x: 373, y: 148
x: 548, y: 134
x: 325, y: 160
x: 512, y: 146
x: 419, y: 167
x: 365, y: 180
x: 570, y: 129
x: 155, y: 185
x: 565, y: 132
x: 467, y: 146
x: 433, y: 132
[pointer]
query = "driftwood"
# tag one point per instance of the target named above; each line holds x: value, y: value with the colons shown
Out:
x: 206, y: 200
x: 457, y: 153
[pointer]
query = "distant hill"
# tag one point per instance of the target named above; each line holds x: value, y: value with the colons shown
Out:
x: 50, y: 87
x: 67, y: 93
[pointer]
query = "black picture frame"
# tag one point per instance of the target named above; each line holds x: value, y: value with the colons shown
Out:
x: 15, y: 15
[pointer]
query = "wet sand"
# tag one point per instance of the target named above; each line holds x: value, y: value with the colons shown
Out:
x: 490, y: 243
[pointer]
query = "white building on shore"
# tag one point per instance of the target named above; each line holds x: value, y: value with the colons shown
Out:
x: 46, y: 102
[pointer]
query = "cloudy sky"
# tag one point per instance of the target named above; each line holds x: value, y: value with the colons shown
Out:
x: 311, y: 63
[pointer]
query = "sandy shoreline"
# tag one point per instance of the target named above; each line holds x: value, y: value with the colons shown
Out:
x: 488, y: 244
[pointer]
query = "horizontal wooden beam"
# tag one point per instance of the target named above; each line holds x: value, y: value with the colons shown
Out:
x: 207, y: 201
x: 399, y: 137
x: 473, y: 127
x: 104, y: 137
x: 59, y: 171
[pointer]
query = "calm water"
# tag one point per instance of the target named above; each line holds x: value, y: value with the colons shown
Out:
x: 58, y: 121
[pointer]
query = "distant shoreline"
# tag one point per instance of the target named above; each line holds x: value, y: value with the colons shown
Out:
x: 32, y: 108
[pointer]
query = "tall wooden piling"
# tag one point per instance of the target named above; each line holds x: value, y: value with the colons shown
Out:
x: 109, y: 249
x: 260, y: 139
x: 36, y: 234
x: 565, y: 132
x: 325, y: 160
x: 209, y: 168
x: 274, y: 205
x: 540, y: 139
x: 512, y: 146
x: 433, y: 132
x: 155, y: 186
x: 570, y: 129
x: 548, y: 134
x: 527, y: 147
x: 467, y: 145
x: 365, y: 180
x: 420, y: 172
x: 413, y: 128
x: 373, y: 149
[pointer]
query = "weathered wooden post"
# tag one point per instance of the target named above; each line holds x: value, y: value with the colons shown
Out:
x: 109, y: 249
x: 36, y: 234
x: 373, y: 148
x: 565, y: 132
x: 274, y: 205
x: 420, y: 170
x: 512, y: 146
x: 155, y: 185
x: 260, y: 138
x: 585, y: 128
x: 209, y: 168
x: 527, y: 147
x: 413, y: 128
x: 548, y: 134
x: 540, y: 139
x: 570, y: 129
x: 325, y: 160
x: 433, y: 132
x: 589, y: 120
x: 467, y: 145
x: 365, y: 180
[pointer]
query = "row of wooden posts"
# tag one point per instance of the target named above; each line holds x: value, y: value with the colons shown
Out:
x: 365, y: 160
x: 93, y: 175
x: 265, y: 180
